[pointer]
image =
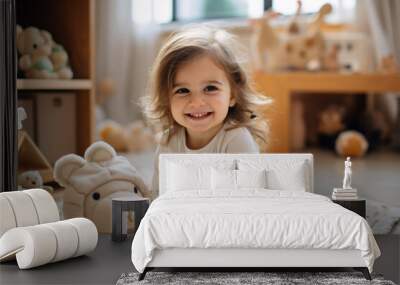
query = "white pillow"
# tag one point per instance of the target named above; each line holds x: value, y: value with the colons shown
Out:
x: 293, y: 180
x: 237, y: 179
x: 182, y: 177
x: 251, y: 178
x: 285, y: 174
x: 223, y: 179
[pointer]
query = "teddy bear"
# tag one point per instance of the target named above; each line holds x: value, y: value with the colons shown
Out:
x: 92, y: 181
x: 135, y: 137
x: 40, y: 56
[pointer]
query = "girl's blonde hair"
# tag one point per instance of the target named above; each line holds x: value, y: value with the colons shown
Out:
x: 184, y: 46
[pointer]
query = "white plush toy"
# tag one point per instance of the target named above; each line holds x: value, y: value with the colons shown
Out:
x: 32, y: 179
x: 91, y: 183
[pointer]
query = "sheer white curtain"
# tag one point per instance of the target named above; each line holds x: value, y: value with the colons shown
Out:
x: 381, y: 19
x: 125, y: 50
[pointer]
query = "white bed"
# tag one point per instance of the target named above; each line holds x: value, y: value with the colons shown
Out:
x: 248, y: 210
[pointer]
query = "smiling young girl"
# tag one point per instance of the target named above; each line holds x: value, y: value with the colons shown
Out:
x: 201, y: 98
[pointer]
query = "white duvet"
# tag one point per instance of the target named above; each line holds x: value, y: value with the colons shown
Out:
x: 252, y: 218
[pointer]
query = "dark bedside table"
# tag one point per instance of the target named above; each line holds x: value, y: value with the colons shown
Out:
x: 138, y: 205
x: 357, y: 206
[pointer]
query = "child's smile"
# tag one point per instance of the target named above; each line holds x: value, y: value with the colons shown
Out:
x: 200, y: 99
x: 198, y: 116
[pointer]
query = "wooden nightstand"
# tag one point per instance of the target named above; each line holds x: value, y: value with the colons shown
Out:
x: 357, y: 206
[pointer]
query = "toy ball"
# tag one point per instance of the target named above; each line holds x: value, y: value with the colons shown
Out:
x: 351, y: 143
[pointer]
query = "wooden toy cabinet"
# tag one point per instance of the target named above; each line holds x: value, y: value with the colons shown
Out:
x: 281, y: 86
x: 72, y: 24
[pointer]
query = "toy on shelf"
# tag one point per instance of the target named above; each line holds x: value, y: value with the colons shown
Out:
x: 93, y: 180
x: 331, y: 60
x: 135, y: 137
x: 319, y: 18
x: 308, y: 44
x: 40, y: 56
x: 263, y: 39
x: 293, y: 27
x: 298, y: 48
x: 388, y: 65
x: 351, y: 143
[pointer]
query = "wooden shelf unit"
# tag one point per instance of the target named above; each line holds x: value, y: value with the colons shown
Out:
x: 280, y: 87
x: 72, y: 24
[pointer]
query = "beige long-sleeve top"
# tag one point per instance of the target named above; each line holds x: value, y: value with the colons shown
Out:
x: 238, y: 140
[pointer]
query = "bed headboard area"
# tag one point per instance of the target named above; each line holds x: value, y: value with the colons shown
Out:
x: 283, y: 171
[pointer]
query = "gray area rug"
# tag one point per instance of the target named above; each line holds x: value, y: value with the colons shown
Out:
x: 273, y: 278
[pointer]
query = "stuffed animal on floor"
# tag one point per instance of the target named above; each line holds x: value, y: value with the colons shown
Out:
x: 351, y: 143
x: 136, y: 137
x: 32, y: 179
x: 40, y: 56
x: 91, y: 183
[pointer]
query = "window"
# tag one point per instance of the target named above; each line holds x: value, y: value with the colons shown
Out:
x: 192, y: 10
x: 166, y: 11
